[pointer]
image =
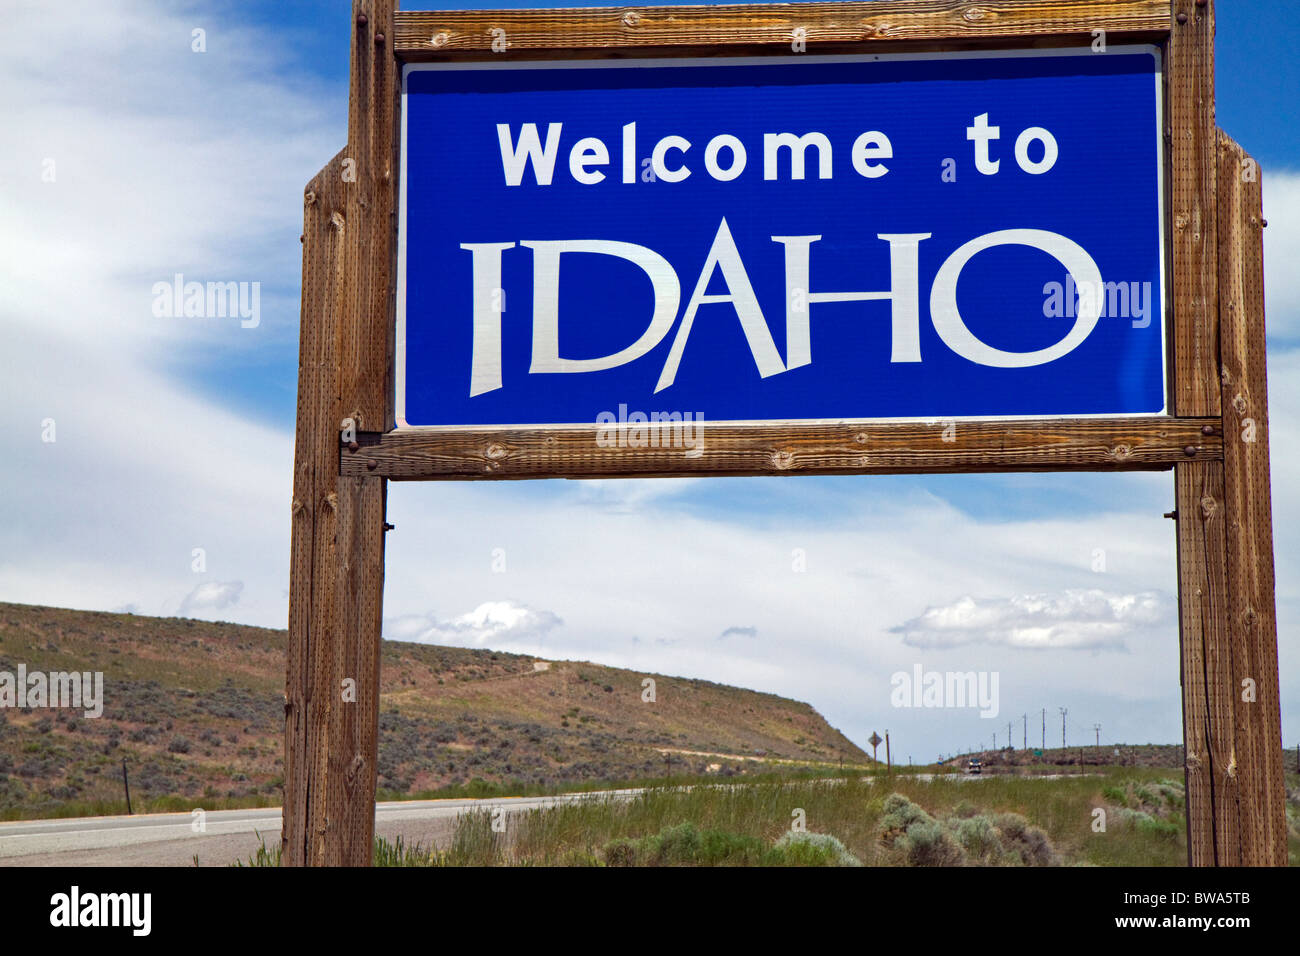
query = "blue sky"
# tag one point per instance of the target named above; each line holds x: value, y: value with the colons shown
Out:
x: 174, y: 435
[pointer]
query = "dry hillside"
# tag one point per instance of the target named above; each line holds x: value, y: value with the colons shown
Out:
x: 196, y: 709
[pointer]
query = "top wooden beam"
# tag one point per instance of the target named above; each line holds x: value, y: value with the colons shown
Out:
x: 428, y: 34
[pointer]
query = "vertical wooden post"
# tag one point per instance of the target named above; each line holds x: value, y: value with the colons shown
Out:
x: 1236, y: 796
x: 1193, y: 163
x: 345, y: 372
x: 315, y: 505
x: 1252, y: 621
x: 1212, y: 821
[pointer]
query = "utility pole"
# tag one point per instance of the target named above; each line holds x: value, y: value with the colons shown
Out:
x: 889, y: 761
x: 1025, y: 743
x: 1009, y: 747
x: 1097, y: 729
x: 127, y: 787
x: 1064, y: 711
x: 1044, y: 728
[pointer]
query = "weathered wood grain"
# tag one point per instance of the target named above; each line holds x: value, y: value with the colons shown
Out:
x: 1213, y: 819
x: 424, y: 34
x: 862, y: 449
x: 1248, y: 499
x: 354, y: 730
x: 1193, y: 169
x: 316, y: 463
x: 366, y: 363
x: 345, y: 360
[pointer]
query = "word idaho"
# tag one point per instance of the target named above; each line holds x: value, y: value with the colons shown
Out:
x: 724, y: 258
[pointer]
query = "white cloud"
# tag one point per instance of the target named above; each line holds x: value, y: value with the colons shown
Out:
x: 1281, y: 252
x: 629, y: 494
x: 209, y: 597
x: 502, y: 625
x: 165, y: 161
x: 1073, y: 620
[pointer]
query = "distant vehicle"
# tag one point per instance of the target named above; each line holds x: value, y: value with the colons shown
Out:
x: 973, y: 765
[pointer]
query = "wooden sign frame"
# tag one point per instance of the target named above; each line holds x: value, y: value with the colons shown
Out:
x: 1215, y: 440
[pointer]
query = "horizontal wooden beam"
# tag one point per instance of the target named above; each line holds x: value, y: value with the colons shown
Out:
x: 1131, y: 444
x: 422, y: 34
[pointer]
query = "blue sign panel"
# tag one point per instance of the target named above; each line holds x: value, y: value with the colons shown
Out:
x: 810, y: 238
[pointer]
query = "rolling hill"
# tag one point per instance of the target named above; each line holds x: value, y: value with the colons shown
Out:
x: 196, y: 711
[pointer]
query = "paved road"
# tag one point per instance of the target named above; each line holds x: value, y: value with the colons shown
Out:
x: 168, y: 839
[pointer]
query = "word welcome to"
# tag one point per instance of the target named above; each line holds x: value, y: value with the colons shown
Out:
x: 725, y: 156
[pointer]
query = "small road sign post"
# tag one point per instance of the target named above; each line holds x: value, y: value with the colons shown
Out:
x: 515, y: 264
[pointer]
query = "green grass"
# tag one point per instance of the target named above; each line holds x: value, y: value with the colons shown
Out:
x: 876, y: 821
x: 261, y: 857
x: 995, y: 821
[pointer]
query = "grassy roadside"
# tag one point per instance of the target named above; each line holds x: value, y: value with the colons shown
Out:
x: 858, y: 819
x: 877, y: 821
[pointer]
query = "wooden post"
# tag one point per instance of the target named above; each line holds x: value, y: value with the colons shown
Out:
x: 1202, y: 573
x: 1193, y: 162
x: 337, y: 569
x: 315, y: 504
x: 1231, y: 716
x: 1248, y: 525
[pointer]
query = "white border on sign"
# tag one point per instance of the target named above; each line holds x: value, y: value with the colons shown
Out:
x: 399, y: 357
